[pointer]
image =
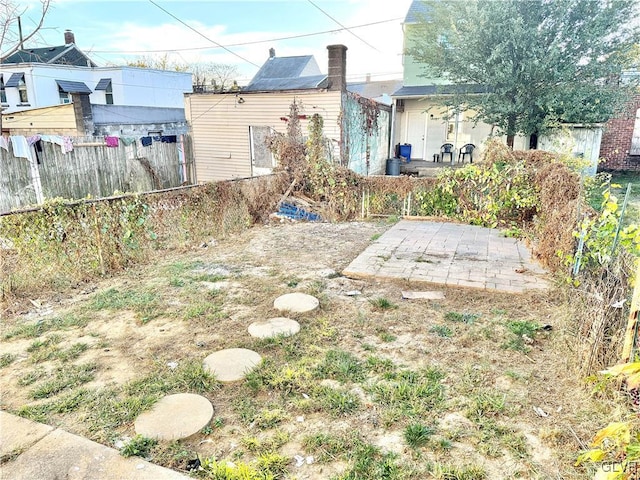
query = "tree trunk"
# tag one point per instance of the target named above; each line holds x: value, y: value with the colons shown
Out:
x: 511, y: 129
x: 510, y: 141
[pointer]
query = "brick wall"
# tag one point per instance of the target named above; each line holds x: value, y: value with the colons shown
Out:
x: 616, y: 140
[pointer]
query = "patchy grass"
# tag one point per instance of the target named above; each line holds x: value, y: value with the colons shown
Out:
x: 342, y: 366
x: 409, y: 393
x: 382, y: 304
x: 336, y: 402
x: 38, y: 328
x: 139, y: 446
x: 442, y: 331
x: 358, y: 374
x: 464, y: 317
x: 522, y: 335
x: 417, y: 435
x: 65, y: 378
x: 145, y: 303
x: 7, y: 359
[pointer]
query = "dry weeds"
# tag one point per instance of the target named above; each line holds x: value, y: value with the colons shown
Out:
x: 206, y: 297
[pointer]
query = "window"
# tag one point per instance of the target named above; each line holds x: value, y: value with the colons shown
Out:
x: 635, y: 139
x: 108, y: 94
x: 64, y: 96
x: 3, y: 92
x: 22, y: 91
x: 105, y: 84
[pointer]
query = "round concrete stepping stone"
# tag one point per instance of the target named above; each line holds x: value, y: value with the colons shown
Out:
x: 274, y: 327
x: 296, y: 303
x: 232, y: 364
x: 175, y: 417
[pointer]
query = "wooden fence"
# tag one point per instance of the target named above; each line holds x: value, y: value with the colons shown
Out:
x: 92, y: 169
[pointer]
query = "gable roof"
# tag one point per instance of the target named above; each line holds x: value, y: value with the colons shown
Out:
x: 59, y: 55
x: 417, y: 12
x: 287, y: 73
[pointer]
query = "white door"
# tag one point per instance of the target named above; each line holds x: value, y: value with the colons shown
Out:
x: 416, y: 123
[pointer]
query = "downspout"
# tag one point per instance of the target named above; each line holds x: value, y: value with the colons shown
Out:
x: 392, y: 130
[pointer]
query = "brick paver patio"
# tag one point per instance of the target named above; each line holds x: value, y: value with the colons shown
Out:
x: 450, y: 254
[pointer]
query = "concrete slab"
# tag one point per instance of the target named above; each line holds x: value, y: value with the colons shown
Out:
x: 62, y: 455
x: 450, y: 254
x: 175, y: 417
x: 232, y: 364
x: 296, y: 303
x: 17, y: 434
x: 408, y: 295
x: 273, y: 327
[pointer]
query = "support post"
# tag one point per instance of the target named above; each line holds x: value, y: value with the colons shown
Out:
x: 632, y: 325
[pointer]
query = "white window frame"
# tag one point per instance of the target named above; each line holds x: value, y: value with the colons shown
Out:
x: 635, y: 138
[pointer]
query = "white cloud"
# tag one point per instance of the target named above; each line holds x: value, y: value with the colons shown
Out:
x: 385, y: 61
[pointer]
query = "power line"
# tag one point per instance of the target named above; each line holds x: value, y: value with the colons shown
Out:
x: 254, y: 42
x: 203, y: 35
x: 358, y: 37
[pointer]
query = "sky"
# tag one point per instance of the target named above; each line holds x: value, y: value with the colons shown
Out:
x: 114, y: 32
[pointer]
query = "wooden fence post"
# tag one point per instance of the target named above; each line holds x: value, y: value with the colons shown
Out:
x: 98, y: 238
x: 632, y: 325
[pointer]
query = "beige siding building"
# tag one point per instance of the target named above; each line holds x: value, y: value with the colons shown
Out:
x: 228, y: 129
x: 57, y: 120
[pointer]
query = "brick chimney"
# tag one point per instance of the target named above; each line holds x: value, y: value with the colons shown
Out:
x: 69, y: 38
x: 272, y: 52
x: 337, y: 68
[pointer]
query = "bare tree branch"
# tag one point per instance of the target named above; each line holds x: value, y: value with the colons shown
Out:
x: 219, y: 77
x: 9, y: 37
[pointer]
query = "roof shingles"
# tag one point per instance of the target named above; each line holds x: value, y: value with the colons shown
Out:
x: 62, y: 54
x: 73, y: 87
x: 287, y: 73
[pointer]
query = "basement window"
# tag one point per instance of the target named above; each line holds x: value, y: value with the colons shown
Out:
x: 635, y: 139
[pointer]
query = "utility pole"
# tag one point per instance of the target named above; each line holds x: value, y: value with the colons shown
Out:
x: 20, y: 33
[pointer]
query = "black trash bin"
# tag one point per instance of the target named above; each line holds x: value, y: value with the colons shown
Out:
x: 393, y: 167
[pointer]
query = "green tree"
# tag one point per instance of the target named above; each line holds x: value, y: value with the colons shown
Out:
x: 539, y: 62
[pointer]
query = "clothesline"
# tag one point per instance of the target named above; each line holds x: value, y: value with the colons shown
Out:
x: 21, y: 144
x: 113, y: 141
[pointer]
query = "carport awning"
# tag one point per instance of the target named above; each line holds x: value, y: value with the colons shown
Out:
x: 68, y: 86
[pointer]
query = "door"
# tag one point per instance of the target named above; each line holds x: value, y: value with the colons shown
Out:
x: 416, y: 130
x: 262, y: 160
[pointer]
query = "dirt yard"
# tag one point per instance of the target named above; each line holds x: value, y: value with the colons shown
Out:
x: 477, y: 385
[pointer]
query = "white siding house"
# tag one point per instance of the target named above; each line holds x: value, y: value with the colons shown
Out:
x: 36, y: 85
